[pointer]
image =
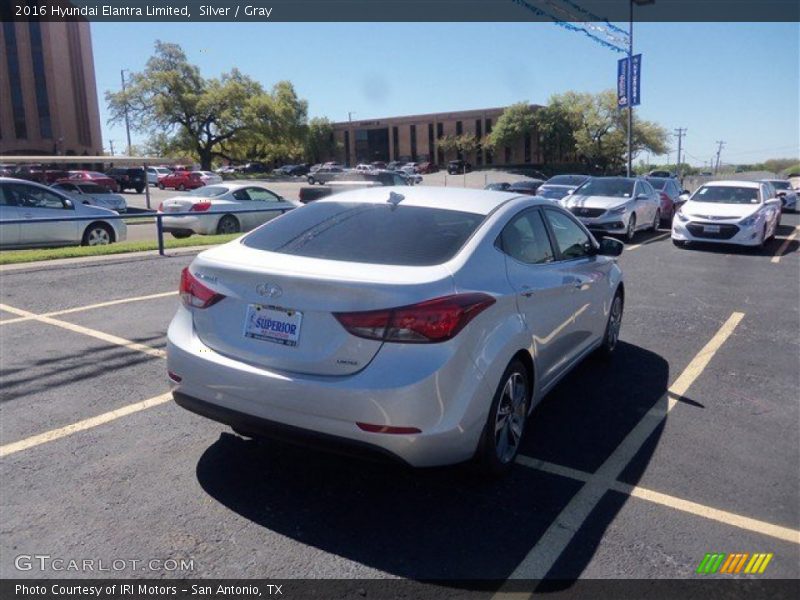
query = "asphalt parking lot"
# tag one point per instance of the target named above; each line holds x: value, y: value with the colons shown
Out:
x: 686, y: 443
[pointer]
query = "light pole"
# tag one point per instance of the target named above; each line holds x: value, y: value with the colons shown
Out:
x: 628, y: 81
x: 350, y: 116
x: 127, y: 122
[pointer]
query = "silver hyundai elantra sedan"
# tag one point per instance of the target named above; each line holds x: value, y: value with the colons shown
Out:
x: 420, y: 323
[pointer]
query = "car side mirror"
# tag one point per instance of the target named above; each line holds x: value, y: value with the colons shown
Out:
x: 610, y: 247
x: 780, y: 194
x: 68, y: 203
x: 642, y: 197
x: 684, y: 197
x: 685, y: 192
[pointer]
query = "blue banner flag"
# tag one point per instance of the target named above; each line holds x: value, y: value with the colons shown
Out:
x: 629, y: 76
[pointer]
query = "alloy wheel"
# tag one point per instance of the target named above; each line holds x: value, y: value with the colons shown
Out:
x: 614, y: 323
x: 98, y: 236
x: 510, y: 418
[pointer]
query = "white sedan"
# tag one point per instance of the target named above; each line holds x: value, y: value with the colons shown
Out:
x: 420, y: 323
x: 728, y: 212
x: 218, y: 207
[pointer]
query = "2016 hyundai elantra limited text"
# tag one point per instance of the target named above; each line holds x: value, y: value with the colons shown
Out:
x: 422, y: 323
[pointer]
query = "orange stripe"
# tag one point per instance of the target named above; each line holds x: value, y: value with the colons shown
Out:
x: 729, y: 560
x: 741, y: 562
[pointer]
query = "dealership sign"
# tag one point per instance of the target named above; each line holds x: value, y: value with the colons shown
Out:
x: 623, y: 73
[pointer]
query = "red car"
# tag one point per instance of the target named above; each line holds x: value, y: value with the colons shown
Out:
x: 100, y: 179
x: 427, y: 167
x: 181, y: 180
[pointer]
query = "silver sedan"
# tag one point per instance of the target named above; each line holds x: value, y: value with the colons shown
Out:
x: 421, y: 323
x: 91, y: 193
x: 27, y: 200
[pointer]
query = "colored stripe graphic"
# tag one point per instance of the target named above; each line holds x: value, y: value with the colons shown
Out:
x: 758, y: 564
x: 720, y: 562
x: 711, y: 562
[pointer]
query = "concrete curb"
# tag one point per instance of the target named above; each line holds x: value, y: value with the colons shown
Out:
x: 106, y: 259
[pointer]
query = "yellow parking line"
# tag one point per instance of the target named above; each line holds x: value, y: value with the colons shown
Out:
x: 551, y: 544
x: 650, y: 241
x: 728, y: 518
x: 100, y: 335
x: 779, y: 254
x: 56, y: 434
x: 89, y: 307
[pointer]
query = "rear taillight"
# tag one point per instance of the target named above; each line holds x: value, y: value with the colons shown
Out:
x: 431, y: 321
x: 200, y: 207
x: 194, y: 294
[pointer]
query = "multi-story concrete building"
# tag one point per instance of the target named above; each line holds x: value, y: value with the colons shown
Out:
x: 415, y: 138
x: 48, y: 93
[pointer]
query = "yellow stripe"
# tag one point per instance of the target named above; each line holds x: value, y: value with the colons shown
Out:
x: 751, y: 563
x: 758, y: 562
x: 67, y: 311
x: 100, y: 335
x: 779, y: 254
x: 56, y: 434
x: 767, y: 558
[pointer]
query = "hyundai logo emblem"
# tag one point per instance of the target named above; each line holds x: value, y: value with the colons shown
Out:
x: 270, y: 290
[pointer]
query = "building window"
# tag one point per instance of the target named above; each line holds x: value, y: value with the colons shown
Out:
x: 12, y: 59
x: 459, y: 128
x: 414, y: 143
x: 527, y: 147
x: 346, y: 147
x: 42, y: 99
x: 439, y: 131
x: 430, y: 142
x: 395, y: 143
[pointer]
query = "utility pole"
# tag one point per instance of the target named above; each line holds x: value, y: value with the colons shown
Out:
x: 111, y: 143
x: 127, y: 122
x: 680, y: 133
x: 350, y: 116
x: 629, y: 91
x: 719, y: 151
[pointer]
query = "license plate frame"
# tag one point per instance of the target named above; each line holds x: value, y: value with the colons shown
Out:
x: 278, y: 325
x: 711, y: 229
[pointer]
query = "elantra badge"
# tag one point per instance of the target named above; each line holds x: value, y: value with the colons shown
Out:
x: 270, y: 290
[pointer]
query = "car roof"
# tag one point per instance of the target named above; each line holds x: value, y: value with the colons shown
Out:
x: 733, y: 183
x: 460, y: 199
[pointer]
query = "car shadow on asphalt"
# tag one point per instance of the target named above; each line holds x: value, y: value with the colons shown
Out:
x: 443, y: 523
x: 770, y: 248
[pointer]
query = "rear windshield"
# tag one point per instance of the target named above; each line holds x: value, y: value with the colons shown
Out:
x: 781, y: 185
x: 725, y: 194
x: 368, y: 233
x: 209, y: 191
x: 658, y: 183
x: 91, y: 188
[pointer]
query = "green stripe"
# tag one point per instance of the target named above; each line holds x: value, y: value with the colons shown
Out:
x: 716, y: 565
x: 701, y: 568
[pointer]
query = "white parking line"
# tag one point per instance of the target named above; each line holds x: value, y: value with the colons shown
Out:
x: 56, y: 434
x: 779, y: 254
x: 100, y: 335
x: 650, y: 241
x: 551, y: 544
x: 89, y: 307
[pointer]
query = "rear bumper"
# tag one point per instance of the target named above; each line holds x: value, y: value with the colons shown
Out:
x: 443, y: 395
x: 205, y: 224
x: 258, y: 427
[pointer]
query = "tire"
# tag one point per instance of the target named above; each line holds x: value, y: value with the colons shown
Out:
x: 97, y: 234
x: 311, y: 181
x: 161, y: 186
x: 181, y: 187
x: 613, y: 326
x: 228, y: 224
x: 656, y: 221
x: 181, y: 235
x: 631, y: 231
x: 680, y: 243
x: 500, y: 443
x: 139, y: 190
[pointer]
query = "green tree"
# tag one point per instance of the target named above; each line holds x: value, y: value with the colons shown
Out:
x: 466, y: 143
x: 516, y: 121
x: 210, y: 118
x: 319, y: 141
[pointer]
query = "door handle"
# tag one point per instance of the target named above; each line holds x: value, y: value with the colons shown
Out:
x: 528, y: 291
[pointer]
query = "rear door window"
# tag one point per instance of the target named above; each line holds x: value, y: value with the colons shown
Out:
x: 368, y: 233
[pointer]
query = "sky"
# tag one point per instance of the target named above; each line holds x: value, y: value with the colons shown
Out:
x: 736, y: 82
